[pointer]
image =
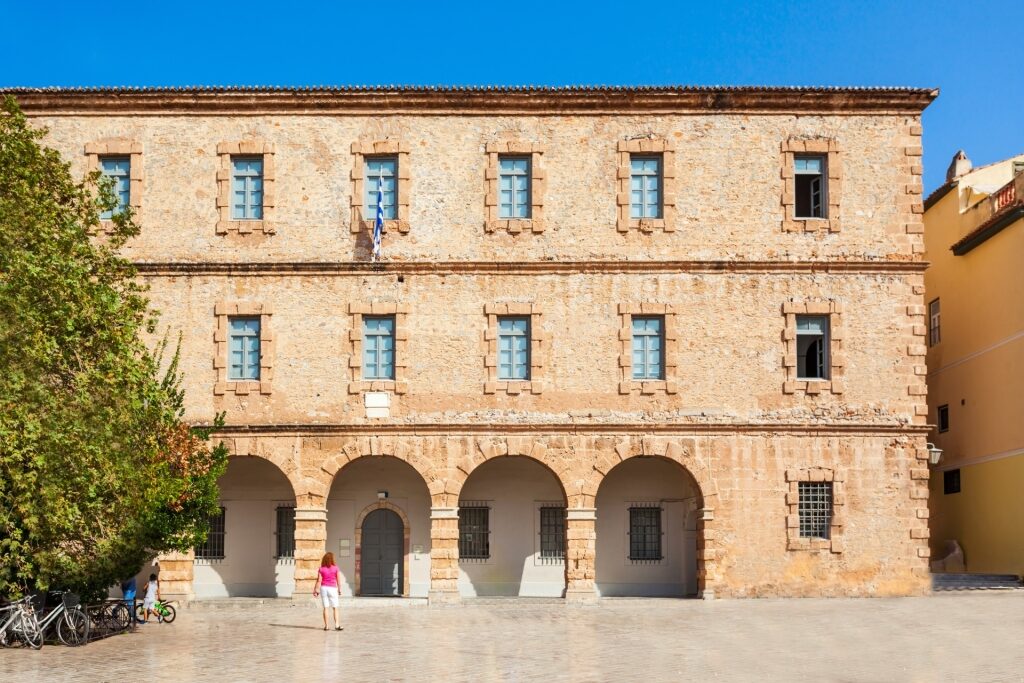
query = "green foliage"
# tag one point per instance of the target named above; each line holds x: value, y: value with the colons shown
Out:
x: 97, y: 471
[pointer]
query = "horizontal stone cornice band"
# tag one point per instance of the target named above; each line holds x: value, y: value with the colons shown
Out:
x: 674, y: 429
x: 299, y: 268
x: 470, y: 101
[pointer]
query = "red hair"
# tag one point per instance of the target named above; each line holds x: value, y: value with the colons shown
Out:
x: 328, y: 560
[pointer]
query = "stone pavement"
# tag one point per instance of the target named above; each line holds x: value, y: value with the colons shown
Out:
x: 960, y: 637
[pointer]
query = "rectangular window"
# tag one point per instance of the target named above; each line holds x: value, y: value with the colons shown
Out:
x: 951, y: 481
x: 812, y: 347
x: 381, y: 177
x: 815, y: 509
x: 645, y: 187
x: 513, y: 348
x: 934, y: 329
x: 244, y: 348
x: 645, y: 534
x: 474, y: 532
x: 379, y: 347
x: 247, y: 188
x: 213, y: 548
x: 943, y: 418
x: 648, y: 347
x: 285, y: 531
x: 514, y: 187
x: 809, y: 187
x: 552, y: 533
x: 119, y: 170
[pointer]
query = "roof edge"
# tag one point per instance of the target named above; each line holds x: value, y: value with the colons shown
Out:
x: 596, y: 99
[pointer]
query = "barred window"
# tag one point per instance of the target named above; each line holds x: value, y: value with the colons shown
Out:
x: 645, y: 534
x: 552, y: 533
x: 285, y: 533
x: 815, y: 509
x: 951, y: 482
x: 474, y: 531
x: 213, y: 548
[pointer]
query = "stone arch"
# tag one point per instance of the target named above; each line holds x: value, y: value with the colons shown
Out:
x: 406, y: 547
x: 253, y: 448
x: 487, y: 449
x: 683, y: 452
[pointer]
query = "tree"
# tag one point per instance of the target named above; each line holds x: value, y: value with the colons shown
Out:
x: 98, y: 472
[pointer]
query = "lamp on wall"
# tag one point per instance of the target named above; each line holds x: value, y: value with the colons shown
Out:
x: 934, y: 454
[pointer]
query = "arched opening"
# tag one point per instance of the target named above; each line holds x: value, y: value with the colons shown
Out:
x: 647, y: 512
x: 251, y: 548
x: 512, y: 530
x: 362, y: 489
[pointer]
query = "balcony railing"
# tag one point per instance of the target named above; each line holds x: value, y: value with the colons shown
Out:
x: 1004, y: 196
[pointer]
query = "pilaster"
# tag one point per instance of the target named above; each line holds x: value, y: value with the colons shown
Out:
x: 444, y: 555
x: 581, y: 554
x: 310, y: 546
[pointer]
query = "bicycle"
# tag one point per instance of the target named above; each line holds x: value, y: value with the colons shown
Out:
x: 21, y: 623
x: 165, y: 611
x: 73, y: 628
x: 113, y: 616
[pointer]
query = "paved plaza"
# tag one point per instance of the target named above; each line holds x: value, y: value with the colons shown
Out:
x: 958, y: 637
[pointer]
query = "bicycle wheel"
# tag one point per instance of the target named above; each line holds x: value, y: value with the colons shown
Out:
x: 73, y: 628
x: 121, y: 617
x: 140, y: 612
x: 30, y: 632
x: 171, y: 613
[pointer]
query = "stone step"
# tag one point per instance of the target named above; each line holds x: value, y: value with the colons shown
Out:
x: 971, y: 581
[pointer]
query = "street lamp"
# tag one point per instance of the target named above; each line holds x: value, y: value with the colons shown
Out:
x: 934, y: 454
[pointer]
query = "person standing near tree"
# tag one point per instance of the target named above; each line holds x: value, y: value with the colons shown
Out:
x: 326, y: 587
x: 152, y: 589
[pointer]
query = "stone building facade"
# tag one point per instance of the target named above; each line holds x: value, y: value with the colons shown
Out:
x: 769, y: 441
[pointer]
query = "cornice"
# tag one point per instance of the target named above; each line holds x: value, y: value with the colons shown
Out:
x: 430, y: 100
x: 580, y: 429
x: 339, y: 268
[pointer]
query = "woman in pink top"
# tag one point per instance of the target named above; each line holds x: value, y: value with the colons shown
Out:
x: 326, y: 587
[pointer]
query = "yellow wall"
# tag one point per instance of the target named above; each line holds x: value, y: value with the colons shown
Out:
x: 978, y: 371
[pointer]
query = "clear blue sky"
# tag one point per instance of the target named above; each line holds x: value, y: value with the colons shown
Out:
x: 972, y: 50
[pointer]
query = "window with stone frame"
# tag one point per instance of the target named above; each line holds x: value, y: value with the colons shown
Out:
x: 246, y: 188
x: 813, y: 338
x: 647, y: 357
x: 816, y: 501
x: 646, y: 196
x: 245, y: 349
x: 515, y: 346
x: 120, y: 159
x: 378, y: 347
x: 373, y: 162
x: 514, y: 184
x: 246, y: 180
x: 645, y: 534
x: 812, y: 185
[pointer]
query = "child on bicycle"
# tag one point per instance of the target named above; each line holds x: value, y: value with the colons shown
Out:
x: 152, y: 589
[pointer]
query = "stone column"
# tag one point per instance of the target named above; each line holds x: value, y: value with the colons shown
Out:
x: 310, y: 546
x: 444, y: 555
x: 707, y: 554
x: 580, y: 554
x: 176, y: 576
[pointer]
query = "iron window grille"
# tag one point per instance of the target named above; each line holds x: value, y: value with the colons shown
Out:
x: 645, y: 187
x: 951, y: 482
x: 812, y: 333
x: 118, y: 169
x: 943, y: 418
x: 474, y: 531
x: 379, y: 347
x: 934, y: 319
x: 809, y: 180
x: 552, y: 533
x: 645, y: 534
x: 246, y: 188
x: 285, y: 531
x: 213, y: 548
x: 514, y: 187
x: 815, y: 509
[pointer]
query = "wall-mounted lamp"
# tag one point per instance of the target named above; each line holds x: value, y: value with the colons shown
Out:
x: 934, y: 454
x: 384, y: 494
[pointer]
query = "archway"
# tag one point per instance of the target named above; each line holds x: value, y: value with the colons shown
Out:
x: 647, y: 519
x: 381, y: 545
x: 361, y: 488
x: 512, y: 530
x: 251, y: 548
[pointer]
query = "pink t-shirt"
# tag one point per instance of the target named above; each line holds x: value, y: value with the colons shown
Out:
x: 329, y: 576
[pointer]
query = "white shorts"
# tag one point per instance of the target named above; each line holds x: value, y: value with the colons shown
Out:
x: 329, y: 596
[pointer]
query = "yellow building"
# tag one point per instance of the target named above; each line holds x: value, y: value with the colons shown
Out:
x: 974, y: 235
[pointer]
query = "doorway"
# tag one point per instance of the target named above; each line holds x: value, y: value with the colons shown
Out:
x: 382, y: 554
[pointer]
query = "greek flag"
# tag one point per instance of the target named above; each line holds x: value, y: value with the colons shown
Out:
x: 378, y: 224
